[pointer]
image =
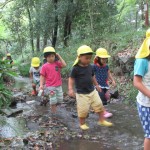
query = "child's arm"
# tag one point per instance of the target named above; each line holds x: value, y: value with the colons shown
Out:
x: 42, y: 81
x: 111, y: 78
x: 62, y: 61
x: 31, y: 76
x: 70, y: 87
x: 137, y: 82
x: 96, y: 84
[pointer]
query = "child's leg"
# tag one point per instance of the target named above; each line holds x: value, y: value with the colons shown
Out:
x: 99, y: 109
x: 34, y: 89
x: 34, y: 86
x: 59, y: 95
x: 146, y: 144
x: 53, y: 100
x: 82, y: 121
x: 144, y: 114
x: 53, y: 108
x: 103, y: 98
x: 83, y: 105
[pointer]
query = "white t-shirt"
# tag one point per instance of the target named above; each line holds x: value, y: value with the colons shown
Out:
x: 36, y: 73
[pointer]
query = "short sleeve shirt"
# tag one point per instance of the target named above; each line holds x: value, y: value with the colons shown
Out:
x: 83, y: 79
x: 140, y: 67
x: 52, y: 73
x: 101, y: 73
x: 36, y: 73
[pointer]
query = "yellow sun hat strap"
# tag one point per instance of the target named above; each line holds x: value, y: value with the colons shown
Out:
x: 144, y: 50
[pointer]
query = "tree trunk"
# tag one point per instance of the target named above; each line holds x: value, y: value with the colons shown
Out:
x: 45, y: 40
x: 55, y: 30
x: 31, y: 29
x: 67, y: 28
x: 68, y: 21
x: 38, y: 42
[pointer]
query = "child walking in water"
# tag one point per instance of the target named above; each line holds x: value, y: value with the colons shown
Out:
x: 103, y: 75
x: 82, y: 76
x: 51, y: 77
x: 35, y: 74
x: 142, y: 83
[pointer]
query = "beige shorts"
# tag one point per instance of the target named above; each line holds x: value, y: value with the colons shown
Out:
x: 85, y: 101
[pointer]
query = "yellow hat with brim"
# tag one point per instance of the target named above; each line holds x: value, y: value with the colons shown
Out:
x: 8, y: 54
x: 84, y: 49
x: 35, y: 62
x: 102, y: 53
x: 49, y: 49
x: 144, y: 50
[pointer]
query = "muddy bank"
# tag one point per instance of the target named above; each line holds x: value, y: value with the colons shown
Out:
x: 37, y: 128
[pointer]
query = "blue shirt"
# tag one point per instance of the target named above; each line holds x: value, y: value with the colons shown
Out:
x: 101, y: 74
x: 141, y: 67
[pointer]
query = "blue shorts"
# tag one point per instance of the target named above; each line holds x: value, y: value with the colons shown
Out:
x: 144, y: 114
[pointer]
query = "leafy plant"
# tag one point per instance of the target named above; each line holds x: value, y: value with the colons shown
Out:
x: 5, y: 93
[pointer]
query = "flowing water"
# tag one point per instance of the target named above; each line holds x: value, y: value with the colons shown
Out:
x: 126, y: 134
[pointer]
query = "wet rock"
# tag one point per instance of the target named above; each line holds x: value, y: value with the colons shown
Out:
x: 18, y: 143
x: 12, y: 112
x: 30, y: 102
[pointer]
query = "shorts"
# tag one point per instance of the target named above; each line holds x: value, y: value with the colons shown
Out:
x: 36, y: 82
x: 144, y: 114
x: 84, y: 101
x: 55, y: 94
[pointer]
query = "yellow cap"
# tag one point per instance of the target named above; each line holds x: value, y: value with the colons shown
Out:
x: 8, y: 54
x: 49, y: 49
x: 144, y: 50
x: 35, y: 62
x: 102, y: 53
x: 84, y: 49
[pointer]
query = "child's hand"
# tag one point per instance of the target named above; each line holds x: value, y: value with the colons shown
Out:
x: 98, y: 88
x: 114, y: 83
x: 41, y: 88
x: 71, y: 93
x: 58, y: 55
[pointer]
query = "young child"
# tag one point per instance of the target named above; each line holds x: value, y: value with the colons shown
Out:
x: 35, y: 74
x: 103, y: 75
x: 82, y: 76
x: 142, y: 83
x: 51, y: 77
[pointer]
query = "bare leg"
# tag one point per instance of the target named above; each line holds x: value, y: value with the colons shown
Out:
x: 147, y: 144
x: 53, y: 108
x: 34, y: 87
x: 82, y: 121
x: 101, y: 116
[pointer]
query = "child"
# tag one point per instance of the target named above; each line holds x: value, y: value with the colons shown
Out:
x: 35, y: 74
x: 9, y: 59
x: 142, y: 83
x: 103, y: 74
x: 51, y: 77
x: 83, y: 76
